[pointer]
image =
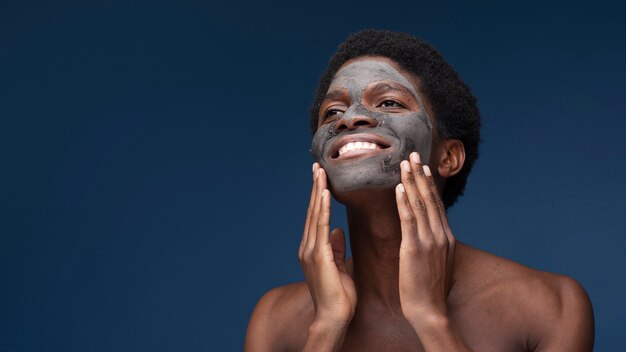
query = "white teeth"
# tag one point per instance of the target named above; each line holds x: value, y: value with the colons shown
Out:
x: 348, y: 147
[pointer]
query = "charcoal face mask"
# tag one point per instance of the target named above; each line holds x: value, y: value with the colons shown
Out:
x: 397, y: 134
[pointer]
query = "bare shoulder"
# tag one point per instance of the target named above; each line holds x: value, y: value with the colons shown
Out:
x: 553, y: 310
x: 280, y: 319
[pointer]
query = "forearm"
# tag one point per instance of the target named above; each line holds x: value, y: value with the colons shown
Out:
x: 437, y: 334
x: 324, y: 338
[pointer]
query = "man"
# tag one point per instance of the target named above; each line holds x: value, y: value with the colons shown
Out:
x: 396, y: 134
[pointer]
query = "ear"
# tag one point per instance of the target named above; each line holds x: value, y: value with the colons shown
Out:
x: 451, y: 157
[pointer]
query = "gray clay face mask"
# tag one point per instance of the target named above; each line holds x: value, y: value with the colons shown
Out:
x: 367, y: 155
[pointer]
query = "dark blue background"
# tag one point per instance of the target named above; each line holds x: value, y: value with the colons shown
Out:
x: 155, y: 167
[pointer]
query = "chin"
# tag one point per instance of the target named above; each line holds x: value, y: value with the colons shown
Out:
x: 356, y: 192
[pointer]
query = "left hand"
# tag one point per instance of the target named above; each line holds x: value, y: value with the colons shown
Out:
x: 427, y: 248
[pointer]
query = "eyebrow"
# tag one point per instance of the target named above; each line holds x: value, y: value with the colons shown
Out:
x: 335, y: 95
x: 383, y: 87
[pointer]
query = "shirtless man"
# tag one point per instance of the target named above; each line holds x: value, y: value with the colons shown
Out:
x: 396, y: 135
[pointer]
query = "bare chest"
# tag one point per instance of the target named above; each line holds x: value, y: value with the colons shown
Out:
x: 481, y: 329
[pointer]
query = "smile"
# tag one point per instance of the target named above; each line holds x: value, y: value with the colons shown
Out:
x: 357, y: 145
x: 352, y: 146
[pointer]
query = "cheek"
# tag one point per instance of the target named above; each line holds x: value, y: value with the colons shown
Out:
x: 409, y: 126
x: 319, y: 141
x: 319, y: 144
x: 414, y: 133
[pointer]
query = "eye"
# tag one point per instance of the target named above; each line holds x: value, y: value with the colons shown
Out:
x: 390, y: 104
x: 332, y: 112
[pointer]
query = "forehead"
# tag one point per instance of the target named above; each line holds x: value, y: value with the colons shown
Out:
x: 358, y: 73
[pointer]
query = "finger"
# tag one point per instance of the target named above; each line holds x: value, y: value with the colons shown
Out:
x: 338, y: 243
x: 308, y: 213
x: 430, y: 198
x: 320, y: 185
x: 322, y: 179
x: 312, y: 199
x: 441, y: 209
x: 312, y: 228
x: 417, y: 203
x: 444, y: 219
x: 315, y: 167
x: 323, y: 222
x: 407, y: 219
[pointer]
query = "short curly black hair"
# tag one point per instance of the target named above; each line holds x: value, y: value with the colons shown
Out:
x: 453, y: 104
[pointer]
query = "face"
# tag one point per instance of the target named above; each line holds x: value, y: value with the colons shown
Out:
x: 371, y: 119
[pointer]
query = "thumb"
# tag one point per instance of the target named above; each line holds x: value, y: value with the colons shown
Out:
x: 338, y: 244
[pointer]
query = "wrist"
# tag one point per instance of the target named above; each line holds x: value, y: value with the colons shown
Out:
x: 328, y: 327
x: 325, y: 336
x: 429, y: 321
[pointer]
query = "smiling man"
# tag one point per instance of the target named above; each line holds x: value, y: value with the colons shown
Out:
x: 396, y: 135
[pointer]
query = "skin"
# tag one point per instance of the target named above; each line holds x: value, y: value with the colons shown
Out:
x: 411, y: 286
x: 359, y: 95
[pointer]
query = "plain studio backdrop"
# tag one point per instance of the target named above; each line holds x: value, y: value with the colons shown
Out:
x: 155, y: 159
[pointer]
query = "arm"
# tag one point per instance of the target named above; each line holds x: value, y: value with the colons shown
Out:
x: 426, y: 259
x: 322, y: 257
x: 323, y: 260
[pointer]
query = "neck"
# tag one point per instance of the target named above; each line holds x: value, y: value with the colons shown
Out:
x: 375, y: 238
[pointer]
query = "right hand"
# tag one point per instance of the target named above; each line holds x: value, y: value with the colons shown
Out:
x: 323, y: 260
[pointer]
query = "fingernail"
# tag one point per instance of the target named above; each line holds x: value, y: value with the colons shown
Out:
x: 405, y: 166
x: 427, y: 171
x: 415, y: 158
x: 401, y: 187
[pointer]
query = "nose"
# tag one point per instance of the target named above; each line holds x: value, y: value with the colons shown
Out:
x: 351, y: 122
